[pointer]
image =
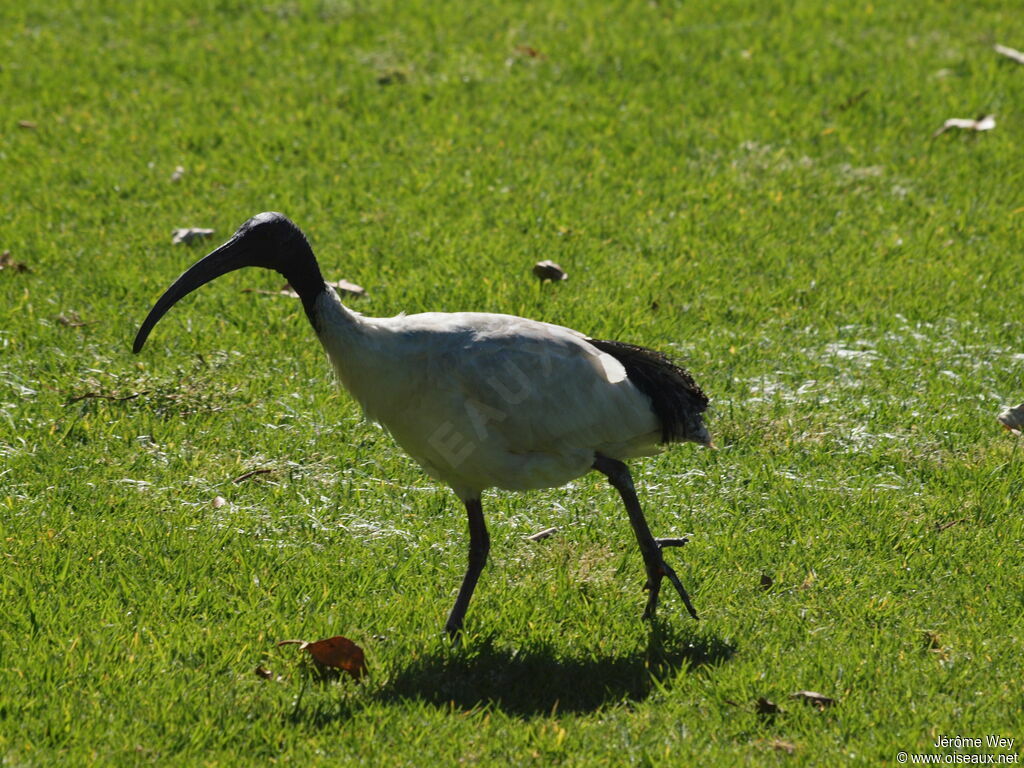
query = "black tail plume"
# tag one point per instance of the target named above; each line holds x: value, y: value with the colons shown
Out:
x: 676, y: 399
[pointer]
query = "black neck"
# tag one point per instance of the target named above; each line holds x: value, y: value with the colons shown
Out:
x: 303, y: 274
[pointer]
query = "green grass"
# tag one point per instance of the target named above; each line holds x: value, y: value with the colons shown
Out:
x: 749, y: 185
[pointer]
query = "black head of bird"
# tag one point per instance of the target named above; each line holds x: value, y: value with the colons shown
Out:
x: 269, y: 240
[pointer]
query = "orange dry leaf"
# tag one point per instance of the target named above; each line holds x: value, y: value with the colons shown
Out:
x: 527, y: 50
x: 337, y: 652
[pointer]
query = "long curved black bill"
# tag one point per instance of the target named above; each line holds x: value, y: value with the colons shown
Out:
x: 226, y: 258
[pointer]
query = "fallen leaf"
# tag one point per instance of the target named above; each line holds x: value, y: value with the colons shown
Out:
x: 187, y: 235
x: 527, y: 50
x: 339, y: 652
x: 766, y: 707
x: 933, y: 644
x: 932, y: 641
x: 1013, y: 418
x: 27, y: 124
x: 218, y: 502
x: 348, y: 288
x: 72, y: 320
x: 179, y: 171
x: 336, y: 652
x: 766, y: 581
x: 985, y: 123
x: 782, y: 746
x: 548, y: 270
x: 809, y: 580
x: 813, y: 697
x: 541, y: 535
x: 1010, y: 53
x: 6, y: 262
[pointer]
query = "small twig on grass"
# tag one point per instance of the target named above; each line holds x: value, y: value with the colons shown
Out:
x: 251, y: 473
x: 101, y: 396
x: 541, y: 535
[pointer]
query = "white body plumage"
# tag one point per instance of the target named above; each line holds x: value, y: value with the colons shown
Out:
x: 488, y: 400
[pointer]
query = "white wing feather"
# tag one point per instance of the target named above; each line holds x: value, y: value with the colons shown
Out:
x: 486, y: 400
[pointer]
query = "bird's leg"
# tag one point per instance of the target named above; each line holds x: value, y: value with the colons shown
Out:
x: 650, y: 547
x: 479, y: 544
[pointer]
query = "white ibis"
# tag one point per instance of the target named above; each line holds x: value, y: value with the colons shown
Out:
x: 483, y: 400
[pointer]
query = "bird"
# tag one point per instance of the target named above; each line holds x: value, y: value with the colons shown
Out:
x: 483, y: 400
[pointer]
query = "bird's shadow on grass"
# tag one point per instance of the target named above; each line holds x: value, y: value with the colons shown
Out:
x: 539, y: 679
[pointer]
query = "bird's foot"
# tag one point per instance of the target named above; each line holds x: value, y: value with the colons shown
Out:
x: 657, y: 569
x: 453, y: 629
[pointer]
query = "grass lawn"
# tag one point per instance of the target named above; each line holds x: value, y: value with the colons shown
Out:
x: 751, y: 186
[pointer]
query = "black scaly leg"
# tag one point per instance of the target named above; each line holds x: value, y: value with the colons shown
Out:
x: 650, y: 547
x: 479, y: 545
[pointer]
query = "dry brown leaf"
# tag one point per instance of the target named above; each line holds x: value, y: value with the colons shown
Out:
x: 984, y: 123
x: 548, y: 270
x: 782, y: 746
x: 1010, y: 53
x: 1013, y: 418
x: 72, y: 320
x: 809, y: 580
x: 336, y: 652
x: 765, y: 706
x: 766, y: 581
x: 932, y: 641
x: 6, y: 262
x: 933, y: 644
x: 527, y: 50
x: 541, y: 535
x: 27, y: 124
x: 813, y: 697
x: 339, y: 652
x: 185, y: 235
